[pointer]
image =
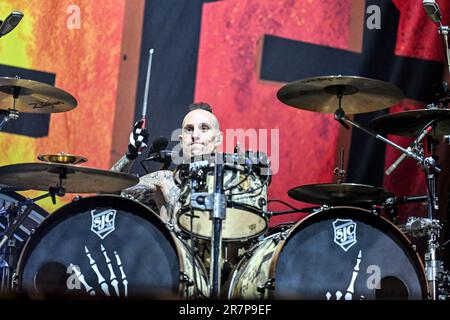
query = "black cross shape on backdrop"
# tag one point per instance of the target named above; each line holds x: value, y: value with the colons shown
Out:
x: 286, y: 60
x: 30, y: 125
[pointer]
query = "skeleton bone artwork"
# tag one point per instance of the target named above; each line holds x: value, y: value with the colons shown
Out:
x: 102, y: 282
x: 351, y: 288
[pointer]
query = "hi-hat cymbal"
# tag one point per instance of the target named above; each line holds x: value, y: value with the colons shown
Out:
x: 42, y: 176
x: 411, y: 123
x: 339, y: 193
x: 359, y: 95
x: 33, y: 97
x: 62, y: 158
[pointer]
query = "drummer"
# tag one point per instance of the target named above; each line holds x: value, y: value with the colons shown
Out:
x: 200, y: 135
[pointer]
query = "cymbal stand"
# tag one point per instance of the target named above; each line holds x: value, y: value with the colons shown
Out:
x: 218, y: 214
x: 431, y: 168
x: 6, y: 115
x: 16, y: 216
x: 432, y: 265
x: 215, y: 203
x: 340, y: 116
x: 444, y: 31
x: 340, y: 171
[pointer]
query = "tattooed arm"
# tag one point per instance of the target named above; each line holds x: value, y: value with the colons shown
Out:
x: 158, y: 186
x: 123, y: 165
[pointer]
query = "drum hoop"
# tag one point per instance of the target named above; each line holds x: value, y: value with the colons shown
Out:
x: 366, y: 217
x: 61, y: 213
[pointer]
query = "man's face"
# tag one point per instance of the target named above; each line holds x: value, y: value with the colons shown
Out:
x: 200, y: 134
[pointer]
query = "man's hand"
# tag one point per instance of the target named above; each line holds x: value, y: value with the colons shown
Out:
x: 138, y: 140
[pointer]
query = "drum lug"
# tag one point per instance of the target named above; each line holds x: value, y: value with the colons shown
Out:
x: 269, y: 284
x: 280, y: 237
x: 77, y: 198
x: 185, y: 279
x: 15, y: 281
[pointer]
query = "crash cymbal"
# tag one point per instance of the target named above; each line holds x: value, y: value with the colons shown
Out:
x: 33, y: 97
x: 320, y: 94
x: 411, y: 123
x: 42, y: 176
x: 339, y: 193
x: 62, y: 158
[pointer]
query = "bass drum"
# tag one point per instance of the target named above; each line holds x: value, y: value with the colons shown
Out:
x: 108, y: 246
x: 342, y: 253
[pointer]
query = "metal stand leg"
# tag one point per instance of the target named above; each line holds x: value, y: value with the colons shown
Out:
x: 7, y: 242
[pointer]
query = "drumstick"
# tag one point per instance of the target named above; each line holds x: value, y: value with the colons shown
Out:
x: 147, y: 85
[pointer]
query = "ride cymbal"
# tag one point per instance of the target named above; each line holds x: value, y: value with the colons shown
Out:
x: 339, y: 193
x: 411, y: 123
x: 321, y: 94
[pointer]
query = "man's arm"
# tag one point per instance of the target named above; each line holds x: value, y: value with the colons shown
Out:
x: 123, y: 165
x: 158, y: 185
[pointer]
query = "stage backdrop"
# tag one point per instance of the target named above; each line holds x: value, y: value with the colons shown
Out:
x: 74, y: 45
x: 235, y: 55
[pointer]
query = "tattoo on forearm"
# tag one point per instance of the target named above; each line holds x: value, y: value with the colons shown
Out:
x: 123, y: 165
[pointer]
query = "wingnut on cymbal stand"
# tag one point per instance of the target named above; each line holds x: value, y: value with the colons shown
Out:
x: 16, y: 214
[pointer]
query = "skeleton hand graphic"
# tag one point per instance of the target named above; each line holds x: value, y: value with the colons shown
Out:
x: 102, y: 282
x: 351, y: 289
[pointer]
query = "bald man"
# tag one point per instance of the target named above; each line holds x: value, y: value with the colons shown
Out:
x: 200, y: 135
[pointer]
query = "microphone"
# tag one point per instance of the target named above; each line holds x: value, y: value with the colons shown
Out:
x: 432, y: 10
x: 11, y: 21
x: 158, y: 145
x: 400, y: 159
x: 157, y: 153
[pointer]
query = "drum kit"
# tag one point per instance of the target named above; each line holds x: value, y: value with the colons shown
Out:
x: 111, y: 245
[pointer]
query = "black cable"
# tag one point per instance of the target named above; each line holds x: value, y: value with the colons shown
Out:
x: 197, y: 293
x: 194, y: 267
x: 305, y: 210
x: 285, y: 203
x: 238, y: 184
x: 142, y: 165
x: 266, y: 182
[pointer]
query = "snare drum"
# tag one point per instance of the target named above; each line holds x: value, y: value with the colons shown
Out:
x: 246, y: 191
x: 336, y: 254
x: 108, y: 246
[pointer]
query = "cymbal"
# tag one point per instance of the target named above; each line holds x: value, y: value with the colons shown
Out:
x: 42, y: 176
x: 411, y: 123
x: 320, y: 94
x: 33, y: 97
x: 339, y: 193
x: 62, y: 158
